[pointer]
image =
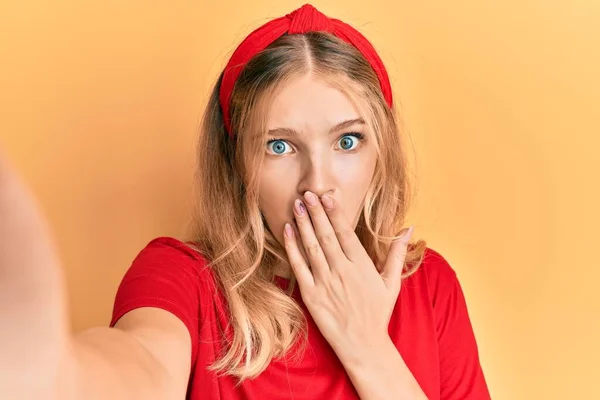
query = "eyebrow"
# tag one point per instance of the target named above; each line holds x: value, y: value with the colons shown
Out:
x: 336, y: 128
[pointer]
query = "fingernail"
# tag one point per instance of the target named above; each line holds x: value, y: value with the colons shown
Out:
x: 327, y: 202
x: 300, y: 209
x: 289, y: 232
x: 311, y: 198
x: 408, y: 234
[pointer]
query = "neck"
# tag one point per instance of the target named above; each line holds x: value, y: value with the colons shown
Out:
x: 283, y: 271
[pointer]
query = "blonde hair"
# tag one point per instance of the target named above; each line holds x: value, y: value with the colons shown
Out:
x: 228, y: 227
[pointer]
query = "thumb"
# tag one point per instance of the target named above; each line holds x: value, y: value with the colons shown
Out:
x: 394, y: 263
x: 32, y: 293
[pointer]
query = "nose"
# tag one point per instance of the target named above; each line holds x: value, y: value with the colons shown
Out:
x: 318, y: 177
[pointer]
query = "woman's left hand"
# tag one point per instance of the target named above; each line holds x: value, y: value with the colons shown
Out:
x: 349, y: 299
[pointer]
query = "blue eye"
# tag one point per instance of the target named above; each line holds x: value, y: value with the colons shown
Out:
x: 351, y: 140
x: 348, y: 142
x: 277, y: 146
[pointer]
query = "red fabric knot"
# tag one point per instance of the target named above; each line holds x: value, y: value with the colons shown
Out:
x: 308, y: 19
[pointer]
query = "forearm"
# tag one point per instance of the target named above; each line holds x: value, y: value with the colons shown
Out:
x: 382, y: 374
x: 107, y: 363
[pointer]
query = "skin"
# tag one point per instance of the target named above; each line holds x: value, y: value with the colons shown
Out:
x: 321, y: 186
x: 313, y: 154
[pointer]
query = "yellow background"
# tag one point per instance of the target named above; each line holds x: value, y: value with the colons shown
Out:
x: 100, y: 101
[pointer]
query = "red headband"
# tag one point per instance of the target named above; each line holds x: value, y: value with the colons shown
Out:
x: 303, y: 20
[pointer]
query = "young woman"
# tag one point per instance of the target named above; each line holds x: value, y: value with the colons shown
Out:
x: 297, y: 282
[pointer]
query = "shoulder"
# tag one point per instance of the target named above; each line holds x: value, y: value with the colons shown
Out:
x: 436, y: 274
x: 168, y: 251
x: 436, y: 266
x: 170, y: 246
x: 173, y: 259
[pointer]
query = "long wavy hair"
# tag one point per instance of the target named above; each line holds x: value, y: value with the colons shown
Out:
x: 228, y: 228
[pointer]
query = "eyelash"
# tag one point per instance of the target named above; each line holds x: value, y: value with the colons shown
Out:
x: 358, y: 135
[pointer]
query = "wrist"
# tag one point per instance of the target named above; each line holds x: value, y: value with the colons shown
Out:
x: 369, y: 354
x: 381, y: 373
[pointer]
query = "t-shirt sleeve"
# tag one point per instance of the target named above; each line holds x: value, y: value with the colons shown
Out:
x: 461, y: 375
x: 165, y: 275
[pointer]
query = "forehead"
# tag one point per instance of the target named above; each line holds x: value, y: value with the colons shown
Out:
x: 309, y: 102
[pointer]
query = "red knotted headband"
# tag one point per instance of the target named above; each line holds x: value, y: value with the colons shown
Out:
x: 303, y: 20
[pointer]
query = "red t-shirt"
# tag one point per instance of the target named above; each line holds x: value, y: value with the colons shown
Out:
x: 430, y: 327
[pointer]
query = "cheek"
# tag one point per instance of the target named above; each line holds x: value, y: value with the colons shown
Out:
x: 274, y: 192
x: 356, y: 171
x: 354, y: 179
x: 269, y: 197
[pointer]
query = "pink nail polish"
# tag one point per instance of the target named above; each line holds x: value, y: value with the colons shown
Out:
x: 311, y: 198
x: 327, y: 202
x: 409, y: 233
x: 288, y: 231
x: 300, y: 208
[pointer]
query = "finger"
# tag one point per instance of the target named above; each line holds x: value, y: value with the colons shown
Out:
x: 297, y: 261
x: 324, y: 231
x: 394, y: 263
x: 299, y: 243
x: 347, y: 239
x: 312, y: 248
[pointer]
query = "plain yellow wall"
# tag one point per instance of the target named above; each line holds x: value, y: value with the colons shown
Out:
x: 100, y: 101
